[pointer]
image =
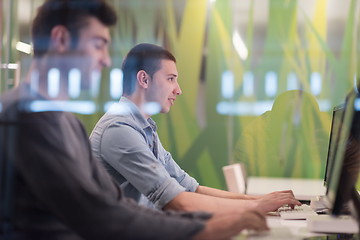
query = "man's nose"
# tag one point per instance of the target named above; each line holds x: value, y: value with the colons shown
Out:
x: 178, y: 90
x: 106, y: 59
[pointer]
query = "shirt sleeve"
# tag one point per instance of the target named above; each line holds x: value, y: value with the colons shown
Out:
x: 132, y: 158
x: 56, y: 164
x: 175, y: 171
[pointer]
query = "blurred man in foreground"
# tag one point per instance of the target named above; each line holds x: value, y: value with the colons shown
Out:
x: 51, y: 186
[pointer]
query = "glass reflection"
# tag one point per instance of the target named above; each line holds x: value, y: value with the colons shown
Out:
x: 74, y: 83
x: 53, y: 82
x: 116, y: 80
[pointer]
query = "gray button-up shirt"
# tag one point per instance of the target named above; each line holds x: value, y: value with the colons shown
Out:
x: 131, y: 151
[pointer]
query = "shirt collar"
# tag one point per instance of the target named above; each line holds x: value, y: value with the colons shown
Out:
x: 152, y: 124
x: 135, y: 112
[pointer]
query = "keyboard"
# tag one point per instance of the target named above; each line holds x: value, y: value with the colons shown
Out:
x: 299, y: 212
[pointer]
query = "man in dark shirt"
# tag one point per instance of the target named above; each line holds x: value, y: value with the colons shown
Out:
x: 51, y: 186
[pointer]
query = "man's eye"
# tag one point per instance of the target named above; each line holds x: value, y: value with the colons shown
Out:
x: 98, y: 44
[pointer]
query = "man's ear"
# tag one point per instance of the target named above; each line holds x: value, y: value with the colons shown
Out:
x: 142, y: 78
x: 60, y: 38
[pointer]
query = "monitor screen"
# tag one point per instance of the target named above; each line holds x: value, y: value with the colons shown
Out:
x: 344, y: 171
x: 337, y: 116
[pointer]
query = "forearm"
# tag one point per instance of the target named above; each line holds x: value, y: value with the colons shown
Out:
x: 189, y: 201
x: 222, y: 194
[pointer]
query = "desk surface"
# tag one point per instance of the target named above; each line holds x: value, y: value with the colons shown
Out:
x: 287, y: 230
x: 304, y: 189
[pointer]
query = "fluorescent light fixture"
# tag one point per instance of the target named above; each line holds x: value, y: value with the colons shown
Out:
x: 227, y: 84
x: 113, y: 107
x: 108, y: 105
x: 116, y: 83
x: 271, y: 84
x: 324, y: 105
x: 34, y: 81
x: 248, y: 84
x: 53, y: 82
x: 12, y: 66
x: 244, y: 108
x: 240, y: 46
x: 95, y: 83
x: 23, y: 47
x: 81, y: 107
x: 315, y: 83
x: 74, y: 83
x: 292, y: 82
x: 9, y: 66
x: 260, y: 107
x: 116, y: 108
x: 152, y: 108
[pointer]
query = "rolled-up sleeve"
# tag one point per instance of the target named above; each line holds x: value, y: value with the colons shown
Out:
x: 127, y: 151
x: 176, y: 172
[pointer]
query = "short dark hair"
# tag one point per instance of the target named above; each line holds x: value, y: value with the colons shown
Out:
x: 70, y: 13
x: 144, y: 56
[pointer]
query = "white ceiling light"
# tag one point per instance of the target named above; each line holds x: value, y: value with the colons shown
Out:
x: 23, y: 47
x: 239, y: 45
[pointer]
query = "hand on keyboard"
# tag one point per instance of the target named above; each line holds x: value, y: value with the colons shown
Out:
x: 272, y: 201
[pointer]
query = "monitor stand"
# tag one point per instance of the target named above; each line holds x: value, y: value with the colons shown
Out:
x: 318, y: 203
x: 337, y: 224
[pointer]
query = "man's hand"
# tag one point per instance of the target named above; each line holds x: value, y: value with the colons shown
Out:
x: 272, y: 201
x: 229, y: 224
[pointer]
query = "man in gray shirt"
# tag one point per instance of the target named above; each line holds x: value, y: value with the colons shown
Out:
x: 51, y: 185
x: 126, y: 141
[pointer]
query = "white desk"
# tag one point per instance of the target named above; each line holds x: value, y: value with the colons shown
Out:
x: 280, y: 229
x: 304, y: 189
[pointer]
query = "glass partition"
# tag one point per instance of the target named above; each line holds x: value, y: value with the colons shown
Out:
x: 259, y: 77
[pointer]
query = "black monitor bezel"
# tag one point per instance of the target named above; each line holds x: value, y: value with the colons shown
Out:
x: 333, y: 137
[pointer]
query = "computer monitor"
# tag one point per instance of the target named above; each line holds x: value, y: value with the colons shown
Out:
x: 344, y: 172
x: 337, y: 116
